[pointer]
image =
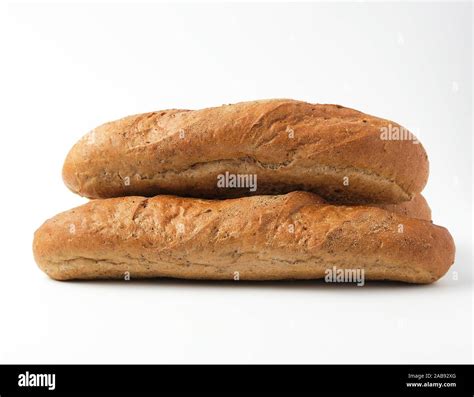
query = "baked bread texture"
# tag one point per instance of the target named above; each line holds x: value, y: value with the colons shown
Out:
x: 415, y: 208
x: 292, y: 236
x: 341, y: 154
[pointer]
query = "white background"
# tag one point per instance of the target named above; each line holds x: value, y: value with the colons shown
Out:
x: 65, y: 69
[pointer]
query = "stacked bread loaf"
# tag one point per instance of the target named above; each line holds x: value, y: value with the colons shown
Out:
x: 266, y: 190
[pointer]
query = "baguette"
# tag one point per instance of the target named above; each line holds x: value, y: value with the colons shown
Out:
x: 339, y: 153
x: 292, y: 236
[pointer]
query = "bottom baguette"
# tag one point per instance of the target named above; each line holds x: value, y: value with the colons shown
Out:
x: 292, y: 236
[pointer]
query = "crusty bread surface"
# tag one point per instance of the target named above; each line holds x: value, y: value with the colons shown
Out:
x: 292, y: 236
x: 339, y: 153
x: 415, y: 208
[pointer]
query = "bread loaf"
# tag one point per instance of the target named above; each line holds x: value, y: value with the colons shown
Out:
x: 341, y: 154
x: 292, y: 236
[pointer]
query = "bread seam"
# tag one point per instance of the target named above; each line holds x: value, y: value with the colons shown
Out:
x: 321, y: 170
x: 318, y: 264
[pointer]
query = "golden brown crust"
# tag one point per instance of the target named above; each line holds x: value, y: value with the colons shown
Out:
x: 290, y: 145
x: 415, y: 208
x: 293, y: 236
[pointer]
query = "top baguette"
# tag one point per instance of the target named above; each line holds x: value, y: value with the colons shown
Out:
x: 339, y: 153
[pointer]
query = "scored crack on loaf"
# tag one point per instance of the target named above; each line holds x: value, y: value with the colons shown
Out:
x: 292, y: 236
x: 337, y: 152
